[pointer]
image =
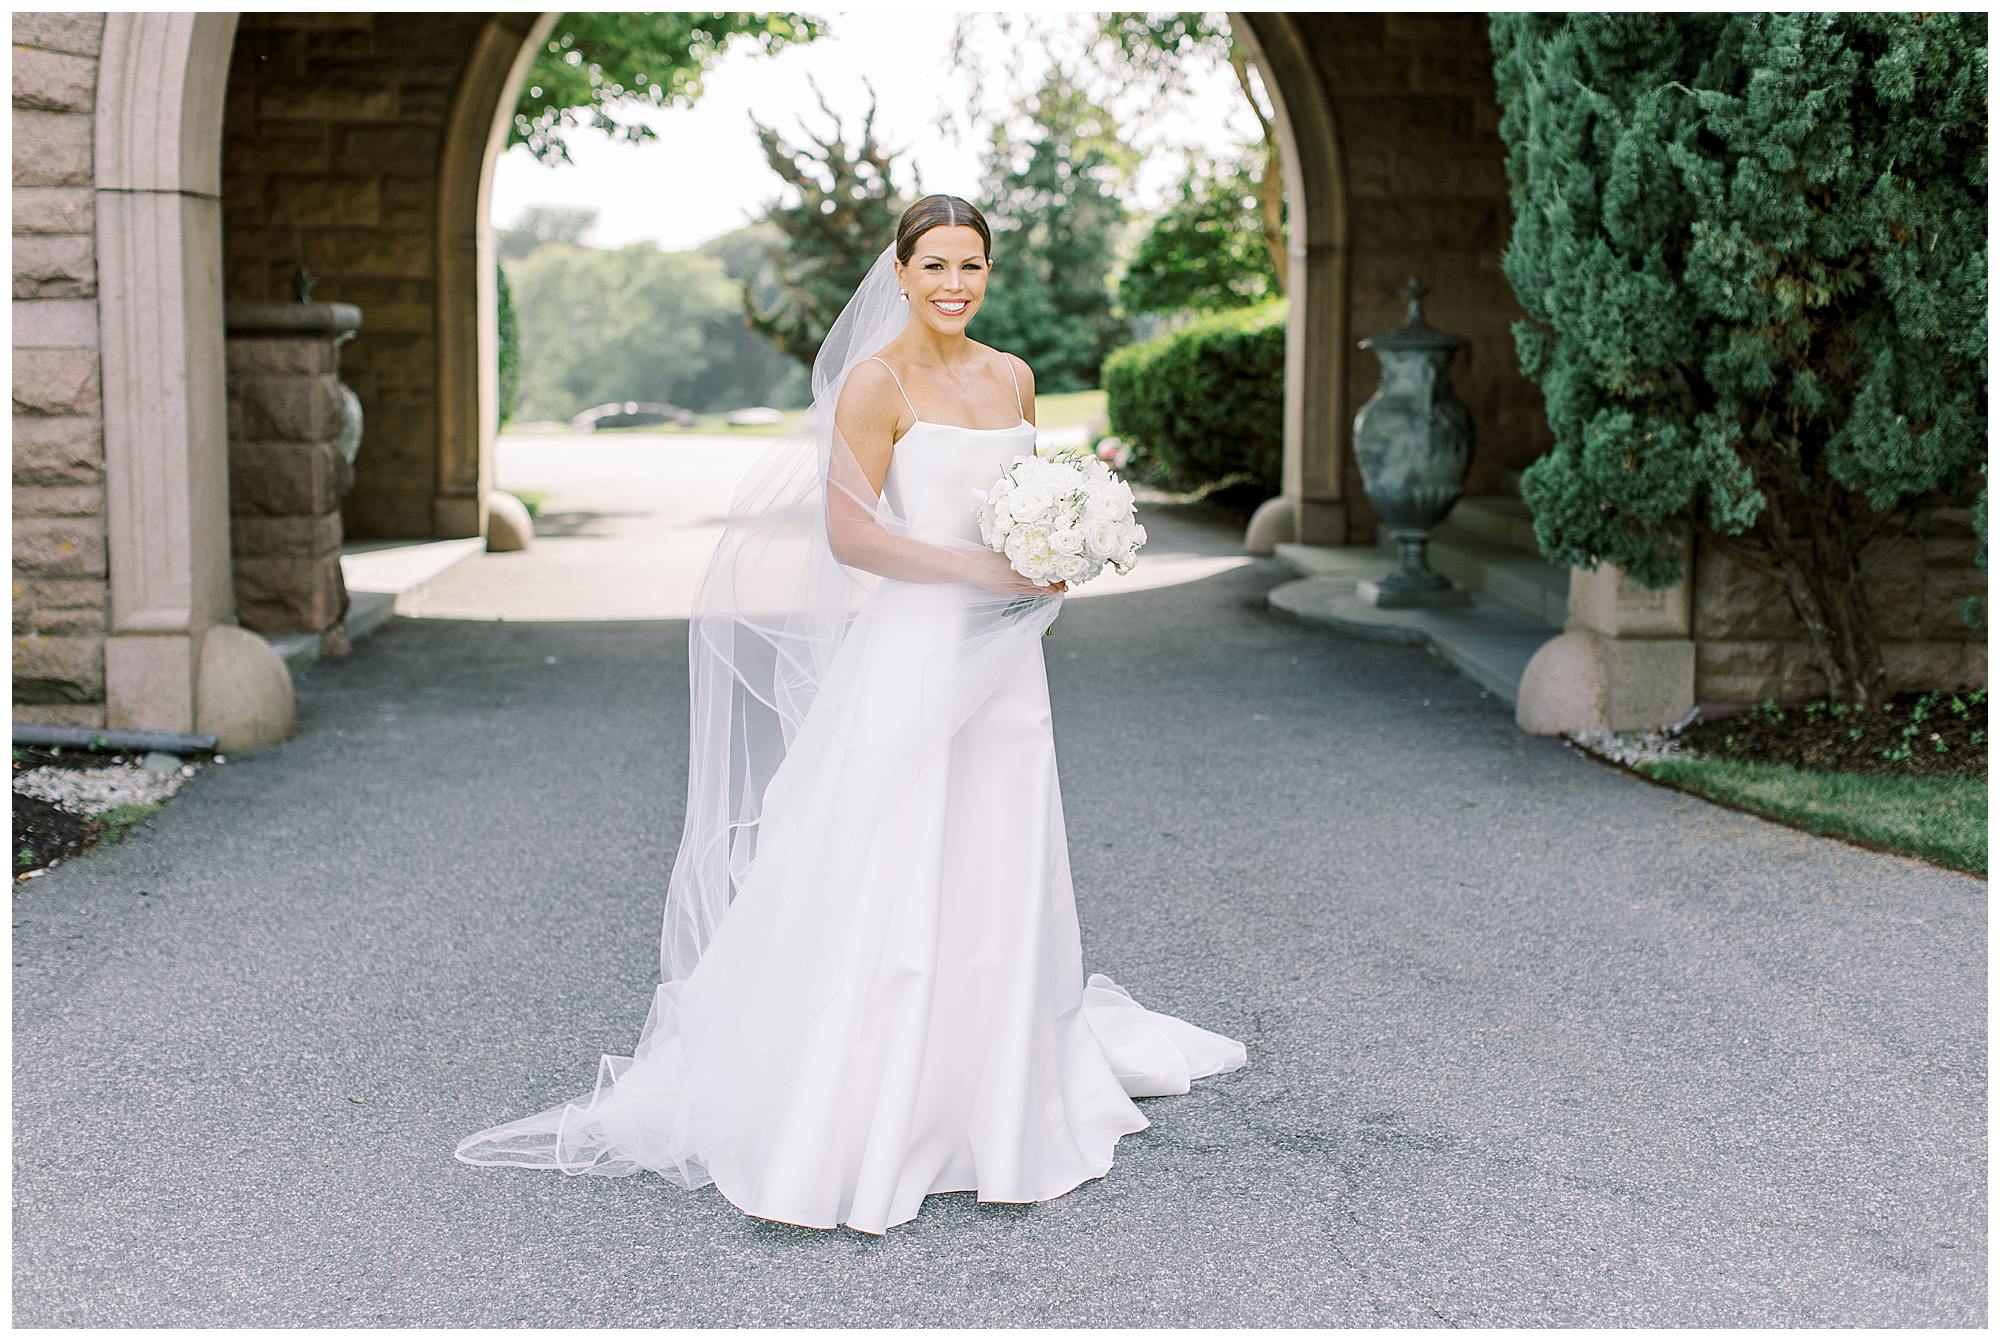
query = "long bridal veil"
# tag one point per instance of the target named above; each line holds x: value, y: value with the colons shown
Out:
x: 806, y: 547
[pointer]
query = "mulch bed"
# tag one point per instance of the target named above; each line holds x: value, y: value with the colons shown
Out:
x: 1934, y: 733
x: 42, y: 829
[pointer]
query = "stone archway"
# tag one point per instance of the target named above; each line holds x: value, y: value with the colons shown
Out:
x: 1316, y: 324
x: 173, y: 658
x: 225, y: 150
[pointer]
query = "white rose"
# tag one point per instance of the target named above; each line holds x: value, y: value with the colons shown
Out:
x: 1030, y: 502
x: 1103, y: 538
x: 1066, y: 540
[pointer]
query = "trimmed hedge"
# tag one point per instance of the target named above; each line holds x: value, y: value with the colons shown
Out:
x: 1205, y: 401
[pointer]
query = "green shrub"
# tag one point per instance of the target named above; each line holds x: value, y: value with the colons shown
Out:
x: 1206, y: 401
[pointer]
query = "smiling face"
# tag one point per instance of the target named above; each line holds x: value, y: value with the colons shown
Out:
x: 946, y: 277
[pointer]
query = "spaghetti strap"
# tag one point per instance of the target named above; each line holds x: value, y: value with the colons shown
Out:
x: 906, y: 395
x: 1017, y: 387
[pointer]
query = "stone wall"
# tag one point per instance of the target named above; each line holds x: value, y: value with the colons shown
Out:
x: 332, y: 138
x: 1749, y: 645
x: 1426, y: 190
x: 60, y: 593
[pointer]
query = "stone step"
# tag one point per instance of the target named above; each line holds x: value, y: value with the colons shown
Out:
x: 1494, y: 570
x: 1500, y: 518
x: 381, y: 576
x: 1488, y: 642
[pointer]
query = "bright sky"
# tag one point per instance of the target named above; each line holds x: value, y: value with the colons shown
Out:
x: 706, y: 173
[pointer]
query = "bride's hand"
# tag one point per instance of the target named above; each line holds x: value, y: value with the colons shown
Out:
x: 1000, y: 578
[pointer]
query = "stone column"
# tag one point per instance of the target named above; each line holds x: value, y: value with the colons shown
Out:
x: 289, y: 464
x: 1624, y: 661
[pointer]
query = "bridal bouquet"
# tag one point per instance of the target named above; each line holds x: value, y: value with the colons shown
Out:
x: 1060, y: 515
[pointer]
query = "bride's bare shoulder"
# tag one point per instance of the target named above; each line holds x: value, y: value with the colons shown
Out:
x: 870, y: 390
x: 1015, y: 361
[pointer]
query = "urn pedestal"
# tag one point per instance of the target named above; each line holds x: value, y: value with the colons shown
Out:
x: 294, y: 430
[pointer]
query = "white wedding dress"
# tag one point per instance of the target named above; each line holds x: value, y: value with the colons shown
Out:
x: 894, y: 1004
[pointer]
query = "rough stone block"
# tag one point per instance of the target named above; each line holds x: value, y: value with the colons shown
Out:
x: 55, y: 323
x: 284, y: 537
x: 279, y: 355
x: 337, y: 202
x: 55, y: 267
x: 1449, y: 67
x: 54, y: 209
x: 408, y: 202
x: 51, y: 148
x: 287, y: 595
x: 79, y: 33
x: 389, y: 253
x: 57, y: 451
x: 24, y: 605
x: 56, y: 381
x: 58, y: 670
x: 289, y: 409
x: 1924, y: 664
x: 1799, y: 675
x: 58, y: 500
x: 54, y: 81
x: 1733, y: 603
x: 65, y: 609
x: 1892, y: 581
x: 280, y: 146
x: 1975, y: 663
x: 1736, y: 672
x: 1950, y: 575
x: 317, y: 101
x: 388, y: 151
x: 59, y: 714
x: 286, y: 479
x: 59, y: 546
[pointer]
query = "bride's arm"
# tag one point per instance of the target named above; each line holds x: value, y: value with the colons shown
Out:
x: 863, y: 443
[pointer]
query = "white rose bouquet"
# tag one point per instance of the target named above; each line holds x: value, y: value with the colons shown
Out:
x: 1060, y: 515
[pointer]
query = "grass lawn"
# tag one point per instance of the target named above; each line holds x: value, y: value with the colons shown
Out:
x: 1940, y: 819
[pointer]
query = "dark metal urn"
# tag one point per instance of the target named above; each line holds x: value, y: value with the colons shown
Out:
x: 1413, y: 442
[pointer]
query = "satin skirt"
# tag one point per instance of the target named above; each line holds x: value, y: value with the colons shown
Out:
x: 895, y: 1003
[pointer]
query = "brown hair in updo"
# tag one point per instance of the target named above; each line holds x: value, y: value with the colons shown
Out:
x: 936, y: 211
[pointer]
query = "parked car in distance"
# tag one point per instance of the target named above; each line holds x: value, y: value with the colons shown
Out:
x: 755, y: 414
x: 631, y: 414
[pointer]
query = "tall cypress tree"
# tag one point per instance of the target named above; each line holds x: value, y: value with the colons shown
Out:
x: 1752, y: 250
x: 1054, y: 202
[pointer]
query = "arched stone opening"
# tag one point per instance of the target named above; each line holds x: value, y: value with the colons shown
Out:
x: 227, y: 150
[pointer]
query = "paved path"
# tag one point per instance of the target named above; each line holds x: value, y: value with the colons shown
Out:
x: 1531, y: 1041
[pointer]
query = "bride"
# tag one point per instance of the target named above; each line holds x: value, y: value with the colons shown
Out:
x: 894, y: 1004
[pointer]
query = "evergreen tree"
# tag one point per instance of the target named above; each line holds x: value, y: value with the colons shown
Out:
x: 846, y: 214
x: 1206, y: 251
x: 1752, y: 250
x: 1053, y: 201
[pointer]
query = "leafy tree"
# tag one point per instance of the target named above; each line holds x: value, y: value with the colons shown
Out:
x: 1205, y: 251
x: 747, y: 370
x: 629, y: 324
x: 1052, y: 197
x: 1752, y: 250
x: 540, y: 225
x: 1158, y: 49
x: 1153, y: 52
x: 593, y: 63
x: 845, y: 215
